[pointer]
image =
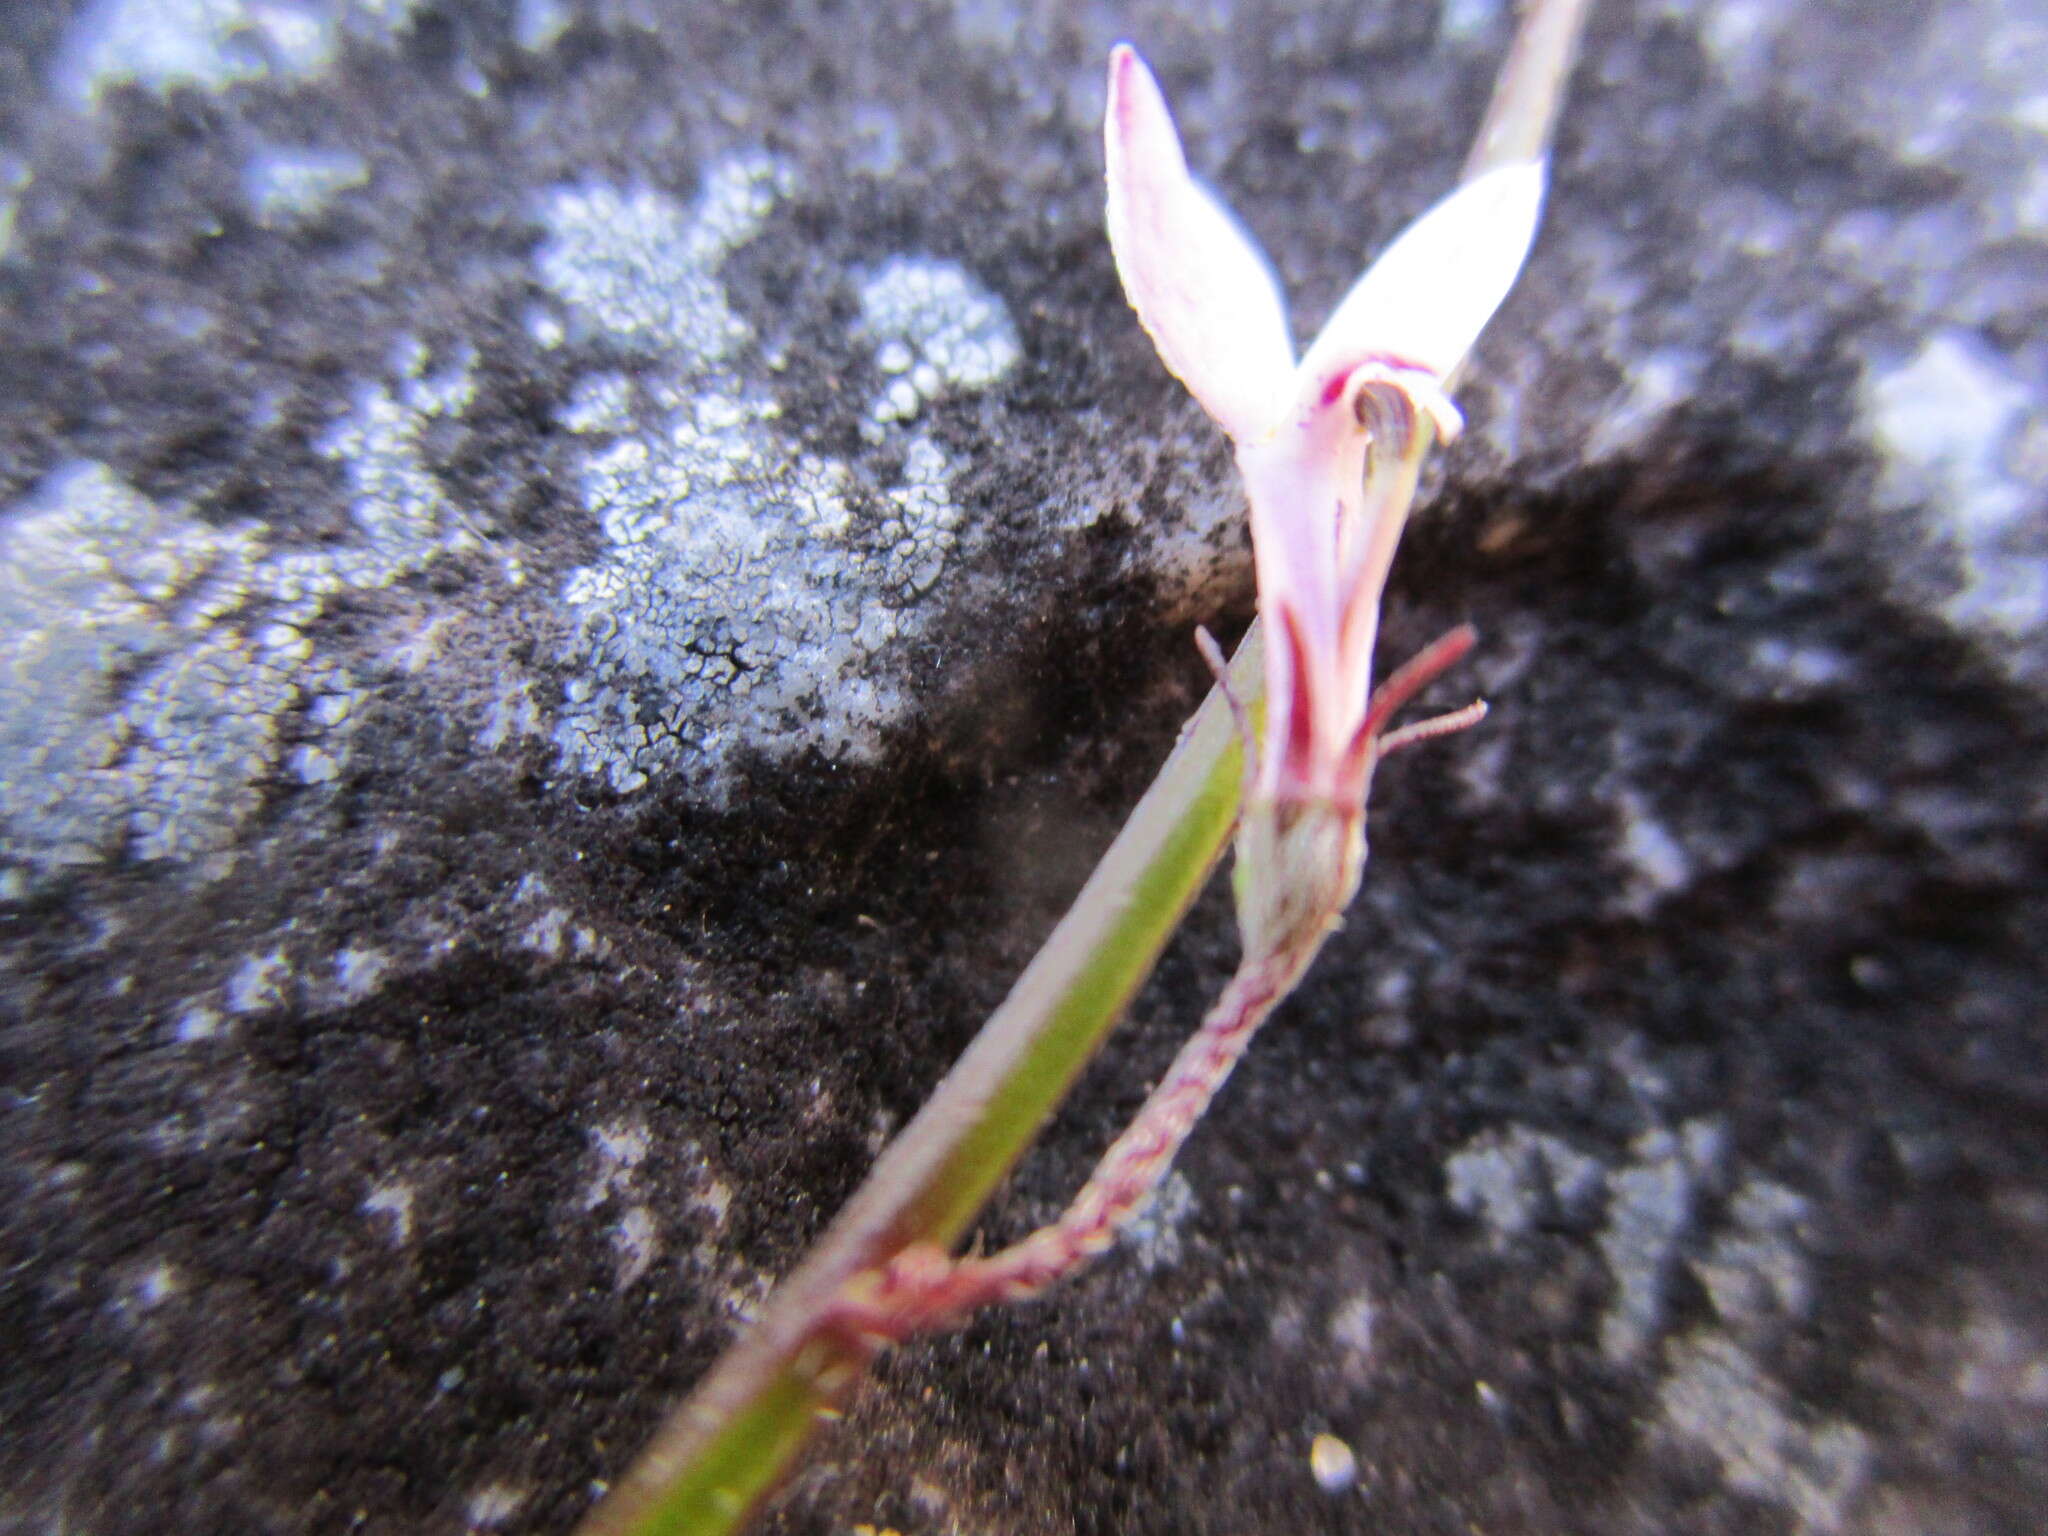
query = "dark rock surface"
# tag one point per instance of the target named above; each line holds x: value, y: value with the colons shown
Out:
x: 577, y: 588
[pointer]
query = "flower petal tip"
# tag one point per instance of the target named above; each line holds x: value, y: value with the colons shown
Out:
x: 1198, y: 282
x: 1431, y: 293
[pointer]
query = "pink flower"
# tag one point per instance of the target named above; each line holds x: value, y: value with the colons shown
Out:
x: 1308, y: 432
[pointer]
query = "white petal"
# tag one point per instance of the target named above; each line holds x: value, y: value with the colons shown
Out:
x: 1425, y: 301
x: 1199, y: 284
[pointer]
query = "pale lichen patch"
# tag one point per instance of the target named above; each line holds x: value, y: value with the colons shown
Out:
x: 288, y: 186
x: 1153, y: 1235
x: 195, y: 1022
x: 1511, y: 1179
x: 1658, y: 863
x: 621, y: 1146
x: 1651, y: 1206
x: 1352, y: 1326
x: 1715, y: 1398
x: 493, y: 1506
x: 636, y: 1244
x: 258, y: 983
x: 747, y: 587
x: 937, y: 330
x: 359, y: 971
x: 392, y: 1200
x: 742, y: 598
x: 150, y: 661
x: 1756, y: 1269
x: 1950, y: 421
x: 639, y: 269
x: 212, y: 44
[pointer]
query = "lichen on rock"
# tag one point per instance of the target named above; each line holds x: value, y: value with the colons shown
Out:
x: 153, y: 661
x: 748, y: 588
x: 212, y: 44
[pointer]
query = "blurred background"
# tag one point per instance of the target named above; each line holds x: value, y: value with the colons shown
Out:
x: 579, y: 585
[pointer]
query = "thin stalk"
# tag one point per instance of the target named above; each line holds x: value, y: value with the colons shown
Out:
x: 728, y: 1445
x: 1529, y: 92
x: 923, y: 1287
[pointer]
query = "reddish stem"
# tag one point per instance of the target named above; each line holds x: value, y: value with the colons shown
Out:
x: 922, y: 1289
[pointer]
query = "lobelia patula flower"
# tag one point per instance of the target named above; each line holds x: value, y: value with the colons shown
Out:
x: 1328, y: 447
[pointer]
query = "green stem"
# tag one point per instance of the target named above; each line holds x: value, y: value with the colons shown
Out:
x: 728, y: 1445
